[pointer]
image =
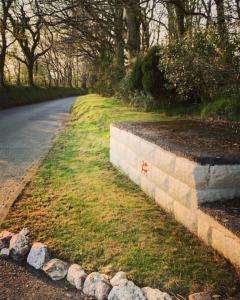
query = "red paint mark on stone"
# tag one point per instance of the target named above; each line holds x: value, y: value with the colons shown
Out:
x: 144, y: 167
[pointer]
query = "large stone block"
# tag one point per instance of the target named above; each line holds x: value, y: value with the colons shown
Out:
x: 160, y: 178
x: 191, y: 173
x: 164, y: 200
x: 180, y: 192
x: 185, y: 216
x: 132, y: 158
x: 114, y: 159
x: 226, y: 245
x: 204, y: 229
x: 114, y: 144
x: 147, y: 186
x: 134, y: 143
x: 147, y: 150
x: 211, y: 195
x: 226, y: 176
x: 135, y: 175
x: 164, y: 160
x: 115, y: 133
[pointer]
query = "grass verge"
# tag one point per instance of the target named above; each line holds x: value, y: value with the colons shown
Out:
x: 16, y: 96
x: 88, y: 212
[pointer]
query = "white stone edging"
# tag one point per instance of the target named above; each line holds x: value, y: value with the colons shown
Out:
x: 100, y: 286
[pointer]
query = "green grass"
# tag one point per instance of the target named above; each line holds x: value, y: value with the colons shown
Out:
x: 89, y: 213
x: 16, y: 96
x: 225, y: 107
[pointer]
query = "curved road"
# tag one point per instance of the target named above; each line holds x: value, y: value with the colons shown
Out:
x: 26, y: 134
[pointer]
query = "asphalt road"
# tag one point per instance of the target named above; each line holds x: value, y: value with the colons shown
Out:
x: 26, y: 135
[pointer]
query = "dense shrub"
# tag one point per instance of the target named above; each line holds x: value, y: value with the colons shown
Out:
x: 144, y: 85
x: 143, y: 101
x: 136, y: 75
x: 152, y: 78
x: 197, y: 68
x: 226, y: 107
x: 104, y: 76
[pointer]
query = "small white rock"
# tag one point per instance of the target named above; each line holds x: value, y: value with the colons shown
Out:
x: 19, y: 247
x: 24, y: 231
x: 126, y: 290
x: 97, y: 285
x: 155, y: 294
x: 5, y: 237
x: 5, y: 252
x: 76, y: 276
x: 116, y: 280
x: 56, y: 269
x: 38, y: 256
x: 200, y: 296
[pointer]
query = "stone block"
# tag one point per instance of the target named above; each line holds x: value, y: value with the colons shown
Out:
x: 160, y: 178
x: 191, y: 173
x: 134, y: 143
x: 114, y: 159
x: 226, y: 176
x: 147, y: 150
x: 115, y: 133
x: 164, y: 160
x: 185, y: 216
x: 180, y: 192
x: 211, y: 195
x: 135, y: 175
x: 226, y: 245
x: 132, y: 158
x: 113, y: 144
x: 164, y: 200
x: 147, y: 186
x: 204, y: 229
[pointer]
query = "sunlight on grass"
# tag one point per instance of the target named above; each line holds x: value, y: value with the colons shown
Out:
x: 88, y: 212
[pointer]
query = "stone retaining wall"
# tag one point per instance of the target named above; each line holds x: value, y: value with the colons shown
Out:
x: 179, y: 185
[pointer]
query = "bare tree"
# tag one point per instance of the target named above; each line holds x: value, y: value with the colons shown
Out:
x: 28, y: 24
x: 5, y: 6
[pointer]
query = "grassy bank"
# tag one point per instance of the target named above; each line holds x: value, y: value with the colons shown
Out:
x: 225, y: 108
x: 88, y: 212
x: 16, y: 96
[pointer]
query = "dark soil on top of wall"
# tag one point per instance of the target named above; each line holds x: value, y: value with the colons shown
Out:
x: 214, y: 143
x: 226, y: 213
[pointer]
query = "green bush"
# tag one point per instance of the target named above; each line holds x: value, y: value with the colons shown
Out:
x: 227, y: 107
x: 143, y: 101
x: 153, y: 79
x: 136, y: 75
x: 144, y: 85
x: 197, y: 69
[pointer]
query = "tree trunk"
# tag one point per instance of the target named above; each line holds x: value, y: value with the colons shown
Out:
x: 238, y: 8
x: 145, y: 31
x: 132, y: 15
x: 180, y: 21
x: 2, y: 63
x: 172, y: 31
x: 30, y: 67
x: 3, y: 54
x: 221, y: 23
x: 119, y: 39
x: 18, y: 81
